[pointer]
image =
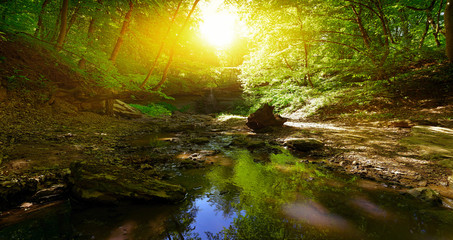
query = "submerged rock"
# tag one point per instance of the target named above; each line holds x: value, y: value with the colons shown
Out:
x: 426, y: 195
x: 264, y: 117
x: 106, y: 183
x: 303, y: 144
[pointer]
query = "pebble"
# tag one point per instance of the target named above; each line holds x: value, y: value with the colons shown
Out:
x: 26, y: 205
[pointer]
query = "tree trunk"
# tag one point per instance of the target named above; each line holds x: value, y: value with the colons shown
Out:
x: 63, y: 22
x: 172, y: 53
x: 448, y: 16
x: 425, y: 32
x: 109, y: 107
x: 142, y: 86
x: 358, y: 19
x: 90, y: 34
x: 306, y: 65
x: 90, y: 37
x: 119, y: 42
x: 41, y: 13
x: 72, y: 20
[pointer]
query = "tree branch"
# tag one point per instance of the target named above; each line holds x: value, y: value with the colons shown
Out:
x: 430, y: 7
x: 353, y: 35
x: 364, y: 5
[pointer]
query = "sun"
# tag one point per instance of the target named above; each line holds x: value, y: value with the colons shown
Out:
x: 218, y: 27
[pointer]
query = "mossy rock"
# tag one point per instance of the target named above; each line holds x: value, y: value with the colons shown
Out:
x: 244, y: 141
x: 426, y: 195
x: 199, y: 140
x: 106, y: 183
x: 303, y: 144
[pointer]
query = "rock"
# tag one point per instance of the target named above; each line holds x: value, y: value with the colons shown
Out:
x: 447, y: 202
x: 52, y: 193
x: 15, y: 191
x: 105, y: 183
x: 303, y: 144
x: 426, y: 195
x: 199, y: 140
x: 423, y: 183
x: 401, y: 124
x: 264, y: 117
x: 197, y: 157
x: 249, y: 143
x: 26, y: 205
x: 123, y: 109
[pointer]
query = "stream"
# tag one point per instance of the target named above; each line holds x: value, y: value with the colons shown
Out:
x: 240, y: 196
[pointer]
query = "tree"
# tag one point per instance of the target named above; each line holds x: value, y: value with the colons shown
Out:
x: 448, y: 16
x: 153, y: 66
x: 63, y: 23
x: 119, y: 41
x: 41, y: 13
x: 172, y: 51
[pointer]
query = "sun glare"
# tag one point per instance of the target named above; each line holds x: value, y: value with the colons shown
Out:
x: 218, y: 26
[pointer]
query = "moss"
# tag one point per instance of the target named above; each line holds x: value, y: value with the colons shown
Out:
x: 199, y: 140
x: 101, y: 182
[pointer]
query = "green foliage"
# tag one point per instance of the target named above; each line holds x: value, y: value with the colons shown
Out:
x: 153, y: 110
x: 297, y: 40
x: 173, y: 108
x: 288, y: 46
x: 159, y: 109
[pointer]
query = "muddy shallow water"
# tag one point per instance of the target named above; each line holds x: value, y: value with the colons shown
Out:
x: 239, y: 197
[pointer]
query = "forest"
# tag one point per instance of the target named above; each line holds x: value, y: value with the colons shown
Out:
x: 226, y: 119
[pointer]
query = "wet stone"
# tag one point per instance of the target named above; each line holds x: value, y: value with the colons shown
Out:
x: 15, y: 191
x: 426, y: 195
x: 105, y: 183
x: 52, y: 193
x: 303, y: 144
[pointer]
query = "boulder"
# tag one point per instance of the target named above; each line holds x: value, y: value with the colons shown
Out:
x: 303, y: 144
x: 106, y: 183
x: 123, y: 109
x: 264, y: 117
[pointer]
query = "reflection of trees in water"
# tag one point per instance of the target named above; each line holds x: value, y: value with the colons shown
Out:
x: 225, y: 193
x: 264, y: 189
x: 179, y: 225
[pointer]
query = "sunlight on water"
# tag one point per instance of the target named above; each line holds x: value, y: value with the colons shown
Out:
x: 369, y: 208
x: 317, y: 215
x: 313, y: 125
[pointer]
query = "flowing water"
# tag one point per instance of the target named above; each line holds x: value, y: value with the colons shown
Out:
x: 241, y: 198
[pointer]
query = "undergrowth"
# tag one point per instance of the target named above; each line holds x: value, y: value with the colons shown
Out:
x: 159, y: 109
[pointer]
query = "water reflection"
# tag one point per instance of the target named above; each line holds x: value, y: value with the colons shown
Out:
x: 238, y: 198
x: 210, y: 218
x: 315, y: 214
x: 369, y: 207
